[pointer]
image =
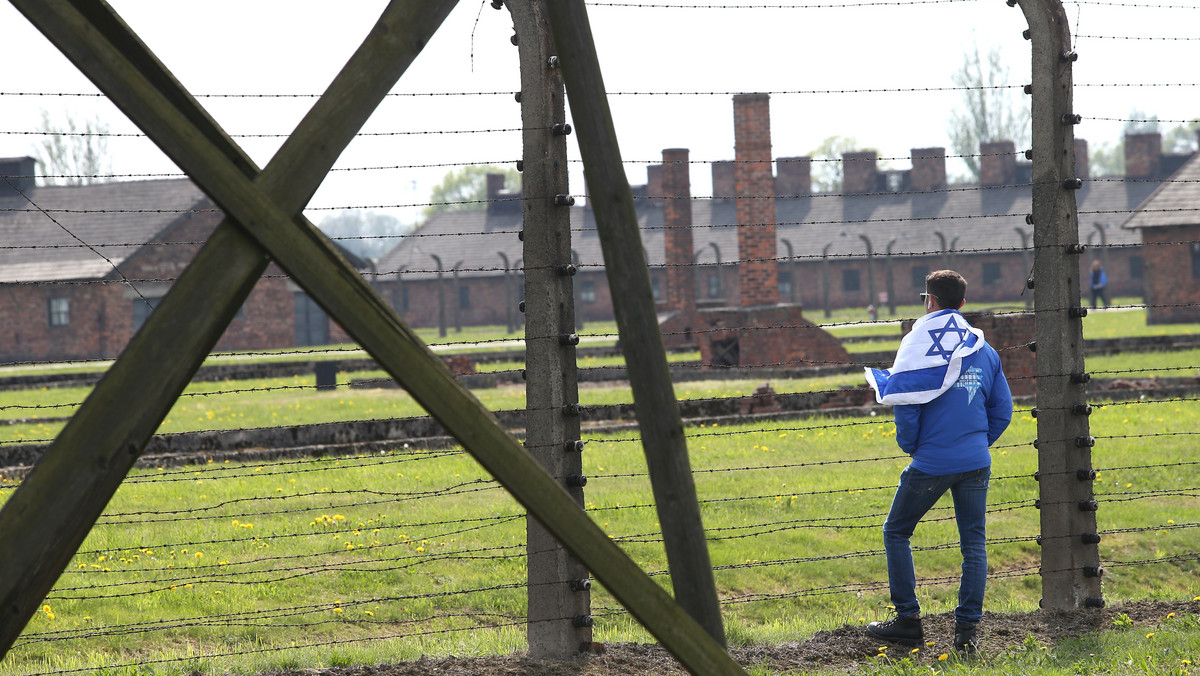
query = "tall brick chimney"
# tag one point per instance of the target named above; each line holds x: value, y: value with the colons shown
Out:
x: 928, y: 169
x: 723, y: 180
x: 859, y: 175
x: 677, y: 236
x: 1143, y: 155
x: 1081, y: 159
x: 495, y: 184
x: 758, y: 277
x: 997, y: 163
x: 793, y: 176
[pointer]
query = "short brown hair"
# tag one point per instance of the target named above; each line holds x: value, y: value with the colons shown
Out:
x: 948, y: 287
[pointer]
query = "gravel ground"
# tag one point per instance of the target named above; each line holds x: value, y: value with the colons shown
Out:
x: 840, y: 650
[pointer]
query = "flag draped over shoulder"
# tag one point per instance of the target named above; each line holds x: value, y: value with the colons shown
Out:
x: 929, y: 361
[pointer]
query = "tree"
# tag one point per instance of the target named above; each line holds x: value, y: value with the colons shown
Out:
x: 76, y: 154
x: 989, y: 112
x: 827, y: 162
x: 465, y: 189
x: 366, y: 234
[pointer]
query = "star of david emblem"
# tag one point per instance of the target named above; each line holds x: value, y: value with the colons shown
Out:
x: 936, y: 335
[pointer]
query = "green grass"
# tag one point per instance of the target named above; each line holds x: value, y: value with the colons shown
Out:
x: 316, y: 563
x: 339, y: 546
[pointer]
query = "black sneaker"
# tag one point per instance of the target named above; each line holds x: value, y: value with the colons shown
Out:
x: 964, y: 638
x: 899, y: 629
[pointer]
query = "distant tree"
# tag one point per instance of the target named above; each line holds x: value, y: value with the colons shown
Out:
x: 1181, y: 138
x: 989, y: 112
x: 827, y: 162
x: 1107, y: 159
x: 74, y: 152
x: 366, y: 234
x: 465, y: 189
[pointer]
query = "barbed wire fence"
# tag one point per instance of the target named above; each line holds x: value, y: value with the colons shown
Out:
x: 366, y: 541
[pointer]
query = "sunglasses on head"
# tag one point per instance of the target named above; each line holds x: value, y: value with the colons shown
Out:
x: 929, y: 295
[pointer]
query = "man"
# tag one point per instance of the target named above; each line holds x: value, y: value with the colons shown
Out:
x: 951, y: 402
x: 1099, y: 284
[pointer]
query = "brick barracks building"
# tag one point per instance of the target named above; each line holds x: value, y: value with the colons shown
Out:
x: 81, y: 267
x: 873, y: 243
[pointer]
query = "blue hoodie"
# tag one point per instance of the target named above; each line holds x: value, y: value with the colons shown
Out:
x: 952, y: 433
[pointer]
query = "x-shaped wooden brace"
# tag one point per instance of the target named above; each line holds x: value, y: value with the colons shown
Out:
x: 47, y: 518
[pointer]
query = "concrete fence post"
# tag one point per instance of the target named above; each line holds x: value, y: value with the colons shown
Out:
x: 559, y: 615
x: 1070, y: 556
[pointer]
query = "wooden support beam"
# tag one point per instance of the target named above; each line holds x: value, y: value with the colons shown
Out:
x: 122, y: 67
x: 657, y: 408
x: 49, y: 515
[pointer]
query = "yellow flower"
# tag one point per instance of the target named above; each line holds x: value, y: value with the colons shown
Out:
x: 915, y: 650
x: 1150, y: 635
x: 1170, y: 615
x: 199, y: 555
x: 943, y: 656
x: 337, y: 610
x: 370, y: 613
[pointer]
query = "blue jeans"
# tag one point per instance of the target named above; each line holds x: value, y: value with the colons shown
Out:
x: 915, y: 495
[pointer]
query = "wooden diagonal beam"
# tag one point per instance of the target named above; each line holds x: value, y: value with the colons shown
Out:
x: 43, y: 523
x: 177, y: 124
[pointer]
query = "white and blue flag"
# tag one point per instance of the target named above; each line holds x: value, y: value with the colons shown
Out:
x: 929, y: 361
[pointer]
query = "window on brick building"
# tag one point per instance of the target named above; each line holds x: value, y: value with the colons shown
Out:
x: 851, y: 281
x: 656, y: 288
x: 587, y: 291
x: 1195, y: 247
x: 714, y: 284
x: 400, y: 298
x: 464, y: 297
x: 785, y: 284
x: 919, y: 273
x: 991, y: 274
x: 58, y: 311
x: 1135, y: 267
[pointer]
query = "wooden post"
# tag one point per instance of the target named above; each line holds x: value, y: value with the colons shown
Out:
x: 50, y: 513
x: 657, y: 409
x: 102, y: 46
x: 558, y: 591
x: 1070, y: 557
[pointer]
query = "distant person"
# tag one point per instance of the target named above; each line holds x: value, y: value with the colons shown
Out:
x: 951, y: 402
x: 1099, y: 284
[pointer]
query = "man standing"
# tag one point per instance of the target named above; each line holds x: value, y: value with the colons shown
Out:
x: 951, y: 402
x: 1099, y: 284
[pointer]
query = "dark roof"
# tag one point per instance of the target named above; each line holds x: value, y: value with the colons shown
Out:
x: 41, y: 241
x: 1175, y: 202
x: 970, y: 218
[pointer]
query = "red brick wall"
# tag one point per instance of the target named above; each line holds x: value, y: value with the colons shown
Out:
x: 767, y: 336
x: 757, y: 276
x: 1172, y: 293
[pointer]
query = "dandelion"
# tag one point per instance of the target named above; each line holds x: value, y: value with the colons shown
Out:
x: 1150, y: 635
x: 942, y: 657
x: 337, y: 610
x: 1170, y: 615
x: 199, y: 555
x: 915, y: 650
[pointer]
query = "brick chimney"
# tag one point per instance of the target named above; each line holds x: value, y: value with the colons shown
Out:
x: 654, y: 183
x: 793, y: 176
x: 495, y: 184
x: 19, y: 172
x: 928, y: 169
x: 1143, y: 155
x: 859, y: 175
x: 1081, y: 159
x: 677, y: 236
x: 997, y: 163
x: 723, y: 180
x: 758, y: 277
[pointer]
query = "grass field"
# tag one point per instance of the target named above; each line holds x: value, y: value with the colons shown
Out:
x: 231, y: 568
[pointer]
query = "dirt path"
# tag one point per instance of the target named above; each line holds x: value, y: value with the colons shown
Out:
x: 840, y: 650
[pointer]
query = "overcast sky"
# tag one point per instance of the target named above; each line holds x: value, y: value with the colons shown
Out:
x: 788, y: 47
